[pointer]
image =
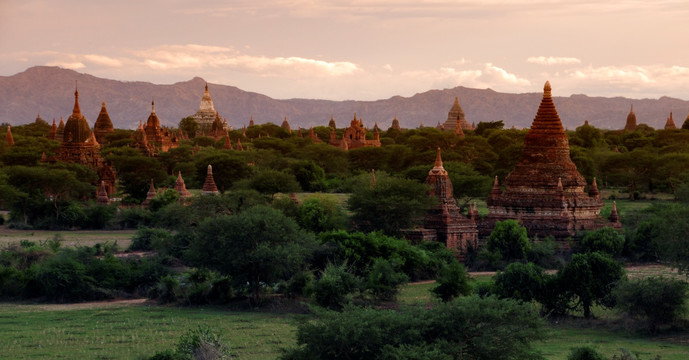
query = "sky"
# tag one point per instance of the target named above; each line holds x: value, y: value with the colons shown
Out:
x: 361, y: 49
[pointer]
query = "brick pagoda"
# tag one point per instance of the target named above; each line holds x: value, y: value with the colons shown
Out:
x: 545, y: 191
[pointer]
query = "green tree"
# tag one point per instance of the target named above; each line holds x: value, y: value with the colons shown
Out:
x: 519, y: 281
x: 227, y: 169
x: 189, y: 126
x: 391, y: 205
x: 320, y: 213
x: 606, y: 240
x: 453, y: 281
x: 589, y: 279
x: 271, y: 182
x: 508, y: 239
x: 334, y: 287
x: 656, y: 300
x: 258, y: 247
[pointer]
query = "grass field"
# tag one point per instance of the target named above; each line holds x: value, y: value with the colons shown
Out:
x: 70, y: 238
x: 132, y: 331
x: 137, y: 329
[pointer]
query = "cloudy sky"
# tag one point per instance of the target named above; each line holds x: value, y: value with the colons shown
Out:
x: 361, y: 49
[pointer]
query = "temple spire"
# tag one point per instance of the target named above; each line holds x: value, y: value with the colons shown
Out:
x: 181, y: 188
x: 102, y: 198
x: 76, y: 110
x: 593, y: 191
x: 495, y: 192
x: 438, y: 159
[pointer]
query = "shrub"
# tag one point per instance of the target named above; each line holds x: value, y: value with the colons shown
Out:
x: 657, y: 300
x: 149, y: 239
x: 585, y: 353
x: 133, y: 218
x: 468, y: 328
x: 384, y: 280
x: 334, y: 287
x: 197, y: 344
x: 453, y: 281
x: 543, y: 253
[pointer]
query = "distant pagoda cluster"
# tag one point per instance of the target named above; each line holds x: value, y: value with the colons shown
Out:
x: 544, y: 192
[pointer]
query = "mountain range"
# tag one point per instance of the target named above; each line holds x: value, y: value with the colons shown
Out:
x: 49, y: 91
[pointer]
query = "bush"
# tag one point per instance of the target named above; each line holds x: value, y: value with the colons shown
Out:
x: 543, y: 253
x: 468, y: 328
x: 585, y: 353
x: 133, y: 218
x: 453, y: 281
x: 524, y: 282
x: 657, y: 300
x: 606, y: 240
x: 384, y: 280
x: 334, y: 287
x: 149, y: 239
x: 197, y: 344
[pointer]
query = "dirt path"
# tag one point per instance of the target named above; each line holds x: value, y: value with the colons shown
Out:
x: 93, y: 304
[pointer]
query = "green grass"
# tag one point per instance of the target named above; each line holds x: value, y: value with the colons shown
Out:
x: 563, y: 337
x: 133, y: 331
x: 70, y: 238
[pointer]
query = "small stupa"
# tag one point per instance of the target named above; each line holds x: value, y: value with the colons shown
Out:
x: 209, y: 187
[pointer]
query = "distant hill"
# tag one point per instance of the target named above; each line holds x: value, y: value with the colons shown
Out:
x: 49, y: 91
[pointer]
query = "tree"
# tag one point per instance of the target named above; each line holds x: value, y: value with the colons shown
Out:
x: 227, y: 169
x: 271, y: 182
x: 384, y: 280
x: 483, y: 128
x: 333, y: 287
x: 524, y: 282
x: 508, y: 239
x: 189, y: 126
x: 452, y: 281
x: 589, y: 279
x: 257, y: 247
x: 321, y: 213
x: 657, y: 300
x: 135, y: 173
x: 468, y: 328
x: 391, y: 205
x: 606, y: 240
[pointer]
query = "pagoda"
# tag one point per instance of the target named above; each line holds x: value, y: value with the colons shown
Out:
x: 545, y: 191
x: 150, y: 195
x: 181, y: 188
x: 670, y: 124
x: 158, y: 137
x: 141, y: 141
x: 209, y: 187
x: 285, y: 125
x: 206, y: 114
x: 630, y: 126
x: 456, y: 116
x: 355, y: 136
x: 79, y: 145
x: 102, y: 198
x: 444, y: 222
x: 53, y: 131
x: 9, y: 139
x: 60, y: 132
x: 396, y: 124
x: 103, y: 125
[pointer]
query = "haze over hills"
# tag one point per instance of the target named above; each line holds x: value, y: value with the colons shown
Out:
x: 50, y: 92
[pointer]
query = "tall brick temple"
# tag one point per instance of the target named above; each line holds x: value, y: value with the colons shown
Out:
x: 545, y: 191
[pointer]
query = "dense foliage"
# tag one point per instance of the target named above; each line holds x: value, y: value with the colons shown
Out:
x: 467, y: 328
